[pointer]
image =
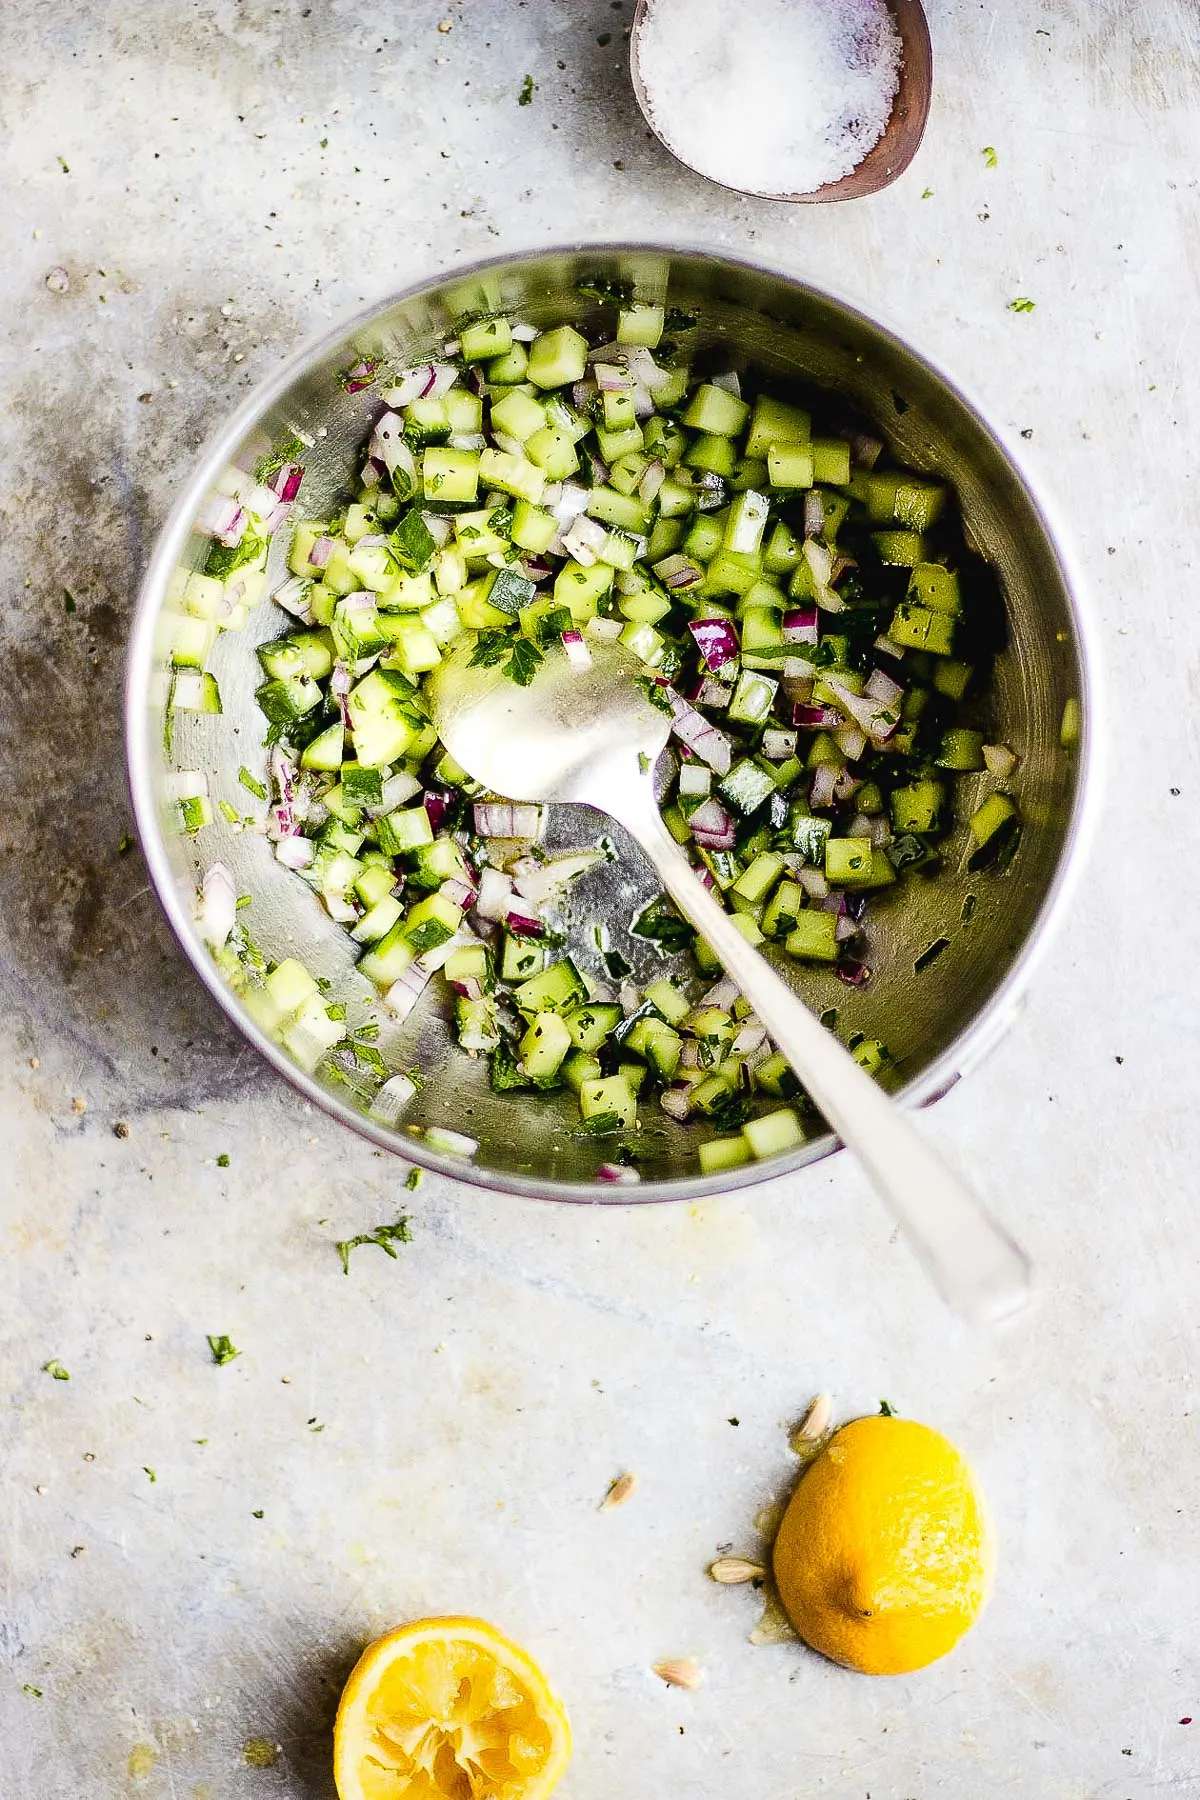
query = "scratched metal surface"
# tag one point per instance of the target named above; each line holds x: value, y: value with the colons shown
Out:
x: 434, y: 1433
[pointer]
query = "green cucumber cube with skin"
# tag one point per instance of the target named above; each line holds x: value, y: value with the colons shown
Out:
x: 518, y: 415
x: 580, y: 1067
x: 289, y: 984
x: 545, y: 1045
x: 645, y: 608
x: 718, y: 1154
x: 992, y: 825
x: 917, y: 808
x: 712, y: 453
x: 848, y: 861
x: 558, y: 358
x: 758, y: 878
x: 403, y: 831
x: 775, y: 422
x: 504, y: 370
x: 431, y: 922
x: 311, y: 1033
x: 581, y: 590
x: 470, y: 962
x: 716, y: 411
x: 774, y: 1134
x: 592, y: 1023
x: 559, y: 989
x: 450, y: 475
x: 628, y: 471
x: 623, y: 441
x: 728, y: 573
x: 382, y: 717
x: 790, y: 466
x: 195, y: 690
x: 326, y: 750
x: 484, y: 339
x: 374, y: 884
x: 774, y: 1076
x: 624, y: 511
x: 666, y: 998
x: 745, y: 522
x: 930, y: 585
x: 619, y: 408
x: 753, y: 697
x: 553, y: 450
x: 899, y: 549
x: 377, y: 921
x: 917, y: 628
x: 387, y: 960
x: 640, y: 324
x: 831, y: 461
x: 747, y: 786
x: 919, y: 504
x: 665, y: 439
x: 521, y: 958
x: 952, y: 678
x: 512, y: 474
x: 704, y: 538
x: 611, y: 1094
x: 960, y: 749
x: 782, y: 551
x: 814, y: 938
x: 782, y: 911
x: 414, y: 648
x: 532, y: 528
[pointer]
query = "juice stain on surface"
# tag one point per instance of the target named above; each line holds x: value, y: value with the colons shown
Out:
x: 260, y: 1753
x: 143, y: 1759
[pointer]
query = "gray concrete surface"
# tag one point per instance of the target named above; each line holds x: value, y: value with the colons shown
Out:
x: 434, y: 1433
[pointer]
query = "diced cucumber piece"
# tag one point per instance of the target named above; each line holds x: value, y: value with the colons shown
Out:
x: 311, y: 1033
x: 758, y: 878
x: 718, y: 1154
x: 622, y: 441
x: 431, y: 922
x: 753, y: 697
x: 782, y: 551
x: 580, y: 1067
x: 747, y: 786
x: 952, y: 678
x: 197, y: 691
x: 610, y: 1095
x: 711, y: 452
x: 917, y: 628
x: 960, y: 749
x: 557, y: 358
x: 814, y: 938
x: 848, y: 861
x: 790, y: 466
x: 716, y: 411
x: 388, y: 959
x: 774, y: 1134
x: 917, y: 808
x: 508, y: 369
x: 533, y: 529
x: 518, y: 415
x: 622, y: 510
x: 745, y: 522
x: 327, y: 750
x: 404, y: 831
x: 775, y: 422
x: 545, y: 1045
x: 557, y: 989
x: 521, y: 958
x: 470, y: 962
x: 993, y: 826
x: 591, y: 1024
x: 383, y: 717
x: 782, y: 911
x: 553, y: 450
x: 870, y: 1054
x: 935, y: 587
x: 450, y: 475
x: 581, y: 590
x: 512, y: 474
x: 484, y: 339
x: 899, y: 549
x: 774, y: 1076
x: 640, y: 323
x: 289, y: 984
x: 374, y: 884
x: 377, y: 921
x: 664, y: 439
x: 831, y: 461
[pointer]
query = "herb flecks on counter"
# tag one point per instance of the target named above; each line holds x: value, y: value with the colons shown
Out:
x: 385, y: 1236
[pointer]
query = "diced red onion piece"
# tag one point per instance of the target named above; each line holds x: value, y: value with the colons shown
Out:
x: 713, y: 840
x: 293, y: 596
x: 618, y: 1175
x: 713, y: 693
x: 814, y: 881
x: 295, y: 852
x: 321, y: 552
x: 845, y: 929
x: 882, y: 687
x: 716, y: 640
x: 578, y: 654
x: 722, y: 994
x: 881, y: 831
x: 694, y: 730
x: 652, y: 480
x: 585, y: 540
x: 340, y: 679
x: 404, y: 993
x: 845, y: 785
x: 606, y: 630
x: 729, y: 381
x: 864, y: 448
x: 676, y: 1102
x: 800, y: 625
x: 777, y: 746
x: 645, y: 370
x: 495, y: 892
x: 437, y: 805
x: 859, y: 826
x: 286, y: 480
x: 814, y: 513
x: 712, y: 817
x: 611, y: 378
x: 284, y: 773
x: 600, y: 469
x: 886, y: 647
x: 216, y: 909
x: 392, y: 1098
x: 223, y: 519
x: 582, y: 395
x: 823, y: 784
x: 815, y: 718
x: 695, y: 778
x: 572, y: 500
x: 397, y: 789
x: 795, y: 671
x: 854, y: 974
x: 522, y: 921
x: 999, y: 760
x: 500, y: 818
x: 751, y: 1037
x: 524, y: 333
x: 459, y: 891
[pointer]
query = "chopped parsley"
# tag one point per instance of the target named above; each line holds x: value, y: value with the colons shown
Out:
x: 528, y: 86
x: 412, y: 543
x: 27, y: 1687
x: 223, y: 1160
x: 223, y: 1350
x: 413, y: 1179
x: 152, y: 1473
x: 68, y: 600
x: 125, y: 844
x: 251, y: 783
x: 384, y: 1235
x: 989, y: 156
x: 931, y: 954
x: 599, y: 1125
x: 289, y: 451
x: 660, y: 922
x: 55, y: 1368
x: 1022, y: 304
x: 887, y: 1410
x: 655, y: 693
x: 523, y: 657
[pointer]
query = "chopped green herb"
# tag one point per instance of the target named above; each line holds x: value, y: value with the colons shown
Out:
x: 887, y: 1410
x: 599, y: 1125
x: 1022, y: 304
x: 928, y: 194
x: 324, y: 144
x: 491, y: 647
x: 258, y: 1512
x: 152, y: 1473
x: 527, y: 91
x: 251, y: 783
x: 55, y: 1368
x: 931, y: 954
x: 524, y: 662
x: 968, y: 909
x: 68, y: 600
x: 412, y: 543
x: 829, y: 1017
x: 64, y: 165
x: 125, y: 844
x: 289, y: 451
x: 413, y: 1179
x: 223, y: 1160
x: 229, y: 812
x: 259, y: 1752
x: 655, y: 692
x: 989, y: 156
x: 551, y: 626
x: 222, y: 1348
x: 223, y: 559
x: 27, y: 1687
x: 383, y: 1235
x: 313, y: 1426
x: 660, y: 922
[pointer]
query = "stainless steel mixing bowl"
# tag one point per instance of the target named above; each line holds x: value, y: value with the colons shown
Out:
x: 937, y: 1022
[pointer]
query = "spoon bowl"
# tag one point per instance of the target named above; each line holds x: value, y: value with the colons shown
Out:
x: 886, y: 161
x: 590, y: 736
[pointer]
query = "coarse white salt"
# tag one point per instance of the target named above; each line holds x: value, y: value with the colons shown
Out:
x: 771, y: 96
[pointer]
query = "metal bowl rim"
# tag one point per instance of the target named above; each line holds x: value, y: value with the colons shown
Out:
x: 988, y: 1023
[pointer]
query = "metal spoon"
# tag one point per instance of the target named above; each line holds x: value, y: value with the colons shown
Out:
x: 591, y: 738
x: 902, y: 135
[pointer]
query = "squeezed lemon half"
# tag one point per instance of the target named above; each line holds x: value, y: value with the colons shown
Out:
x: 448, y: 1709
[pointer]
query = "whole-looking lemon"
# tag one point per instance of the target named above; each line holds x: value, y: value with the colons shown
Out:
x: 885, y: 1555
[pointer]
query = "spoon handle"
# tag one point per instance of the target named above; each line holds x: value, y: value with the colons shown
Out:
x: 978, y: 1268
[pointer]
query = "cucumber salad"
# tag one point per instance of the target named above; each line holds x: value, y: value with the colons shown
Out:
x: 806, y: 612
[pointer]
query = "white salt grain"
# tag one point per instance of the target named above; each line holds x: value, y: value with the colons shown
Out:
x: 771, y: 96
